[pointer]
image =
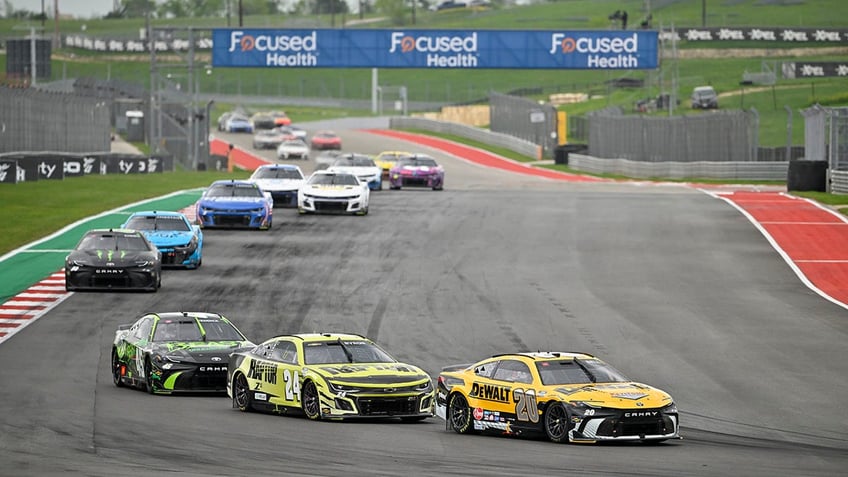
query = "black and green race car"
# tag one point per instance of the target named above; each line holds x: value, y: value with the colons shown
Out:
x: 164, y: 353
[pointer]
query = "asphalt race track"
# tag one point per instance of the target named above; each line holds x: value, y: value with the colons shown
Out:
x: 675, y: 288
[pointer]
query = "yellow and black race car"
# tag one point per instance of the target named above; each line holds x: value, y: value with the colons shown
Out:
x: 571, y: 397
x: 328, y: 376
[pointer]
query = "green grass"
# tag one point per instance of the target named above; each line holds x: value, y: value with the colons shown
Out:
x: 32, y: 210
x: 570, y: 14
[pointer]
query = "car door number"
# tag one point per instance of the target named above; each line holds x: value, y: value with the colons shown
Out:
x: 526, y: 408
x: 292, y: 381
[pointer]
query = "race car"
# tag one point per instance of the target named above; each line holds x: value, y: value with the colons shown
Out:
x: 417, y: 170
x: 293, y: 149
x: 232, y: 203
x: 328, y: 376
x: 326, y: 140
x: 268, y: 138
x: 339, y: 192
x: 113, y: 259
x: 280, y: 118
x: 282, y: 181
x: 237, y: 123
x: 570, y: 397
x: 180, y: 241
x: 361, y: 166
x: 164, y: 353
x: 386, y: 159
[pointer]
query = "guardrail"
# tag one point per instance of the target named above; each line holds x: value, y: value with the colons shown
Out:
x: 838, y: 182
x: 776, y: 171
x: 505, y: 141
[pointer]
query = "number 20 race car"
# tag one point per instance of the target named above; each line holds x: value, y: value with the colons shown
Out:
x: 328, y: 376
x: 571, y: 397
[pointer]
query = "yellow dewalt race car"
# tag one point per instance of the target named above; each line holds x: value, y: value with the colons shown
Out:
x: 571, y: 397
x: 328, y: 376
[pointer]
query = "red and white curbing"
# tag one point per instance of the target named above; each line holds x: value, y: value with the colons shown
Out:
x: 27, y: 306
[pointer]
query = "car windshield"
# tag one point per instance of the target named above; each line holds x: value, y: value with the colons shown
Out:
x: 577, y: 371
x: 344, y: 351
x: 705, y: 93
x: 418, y: 162
x: 133, y: 243
x: 279, y: 173
x: 333, y: 179
x: 297, y: 143
x: 158, y: 222
x: 220, y: 330
x: 177, y: 330
x: 355, y: 162
x: 233, y: 190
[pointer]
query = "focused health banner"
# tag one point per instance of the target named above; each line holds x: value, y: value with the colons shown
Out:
x: 475, y: 49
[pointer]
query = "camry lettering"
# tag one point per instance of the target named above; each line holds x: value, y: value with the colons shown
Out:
x: 489, y: 392
x: 641, y: 414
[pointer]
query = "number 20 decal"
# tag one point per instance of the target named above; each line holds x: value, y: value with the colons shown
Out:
x: 292, y: 385
x: 525, y: 405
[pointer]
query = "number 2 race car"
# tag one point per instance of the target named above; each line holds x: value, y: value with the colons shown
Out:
x: 328, y: 376
x: 571, y: 397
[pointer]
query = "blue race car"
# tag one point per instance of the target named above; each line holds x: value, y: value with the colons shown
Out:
x: 235, y: 204
x: 180, y: 241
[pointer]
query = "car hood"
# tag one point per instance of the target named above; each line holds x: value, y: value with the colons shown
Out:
x: 371, y: 374
x: 108, y: 258
x: 168, y: 237
x: 332, y: 190
x: 201, y: 351
x: 357, y: 171
x: 235, y: 203
x: 293, y: 149
x: 628, y: 395
x: 279, y: 184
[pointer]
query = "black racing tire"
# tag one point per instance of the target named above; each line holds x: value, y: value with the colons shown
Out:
x: 557, y: 422
x: 242, y: 398
x: 310, y: 401
x: 459, y: 414
x: 116, y: 369
x: 148, y: 378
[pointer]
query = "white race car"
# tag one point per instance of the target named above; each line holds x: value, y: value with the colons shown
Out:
x: 334, y: 192
x: 282, y: 181
x: 293, y: 149
x: 361, y: 166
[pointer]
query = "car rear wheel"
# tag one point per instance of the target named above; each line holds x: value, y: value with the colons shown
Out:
x: 557, y: 423
x: 311, y: 403
x: 459, y: 414
x: 148, y: 378
x: 241, y: 394
x: 116, y: 369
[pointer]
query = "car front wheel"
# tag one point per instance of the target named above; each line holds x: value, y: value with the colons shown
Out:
x: 311, y: 402
x: 557, y: 423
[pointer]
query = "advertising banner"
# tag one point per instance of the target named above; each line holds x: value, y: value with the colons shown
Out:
x: 476, y: 49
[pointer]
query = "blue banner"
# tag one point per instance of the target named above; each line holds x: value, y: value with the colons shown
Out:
x: 477, y: 49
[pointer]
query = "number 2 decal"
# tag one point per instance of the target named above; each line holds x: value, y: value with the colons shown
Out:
x: 292, y: 385
x: 525, y: 405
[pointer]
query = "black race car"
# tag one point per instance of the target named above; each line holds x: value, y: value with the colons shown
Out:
x: 169, y: 352
x: 113, y: 259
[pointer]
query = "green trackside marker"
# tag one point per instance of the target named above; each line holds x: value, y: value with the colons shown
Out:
x: 23, y: 267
